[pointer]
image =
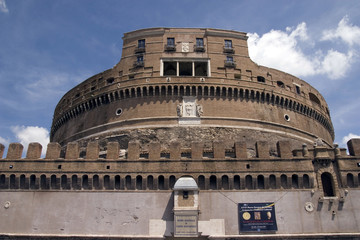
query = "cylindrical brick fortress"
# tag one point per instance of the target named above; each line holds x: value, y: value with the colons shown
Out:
x: 189, y: 84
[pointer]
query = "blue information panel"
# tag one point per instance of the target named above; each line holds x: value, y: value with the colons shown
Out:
x: 257, y: 217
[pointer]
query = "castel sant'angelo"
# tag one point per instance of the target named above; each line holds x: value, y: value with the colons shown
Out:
x: 186, y: 137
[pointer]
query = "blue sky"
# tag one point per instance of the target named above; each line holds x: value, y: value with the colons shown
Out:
x: 48, y: 47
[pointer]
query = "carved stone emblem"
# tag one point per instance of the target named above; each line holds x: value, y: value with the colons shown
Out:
x: 185, y: 47
x: 189, y: 111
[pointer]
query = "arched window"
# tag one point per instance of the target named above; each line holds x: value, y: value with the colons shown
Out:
x: 63, y: 182
x: 201, y: 182
x: 172, y: 181
x: 260, y: 182
x: 13, y: 184
x: 294, y: 181
x: 283, y: 180
x: 150, y: 182
x: 248, y: 182
x: 328, y: 184
x: 350, y: 180
x: 117, y: 182
x: 23, y: 182
x: 128, y: 182
x: 43, y: 184
x: 96, y: 182
x: 272, y: 181
x: 237, y: 182
x: 139, y: 182
x: 32, y: 182
x: 74, y: 182
x: 85, y: 182
x: 225, y: 182
x: 213, y: 182
x: 2, y: 181
x: 161, y: 182
x: 306, y: 181
x: 53, y: 182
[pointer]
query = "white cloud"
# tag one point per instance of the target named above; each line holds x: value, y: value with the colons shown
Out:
x: 3, y: 7
x: 345, y: 31
x: 281, y: 50
x: 4, y: 141
x: 28, y: 134
x: 348, y: 137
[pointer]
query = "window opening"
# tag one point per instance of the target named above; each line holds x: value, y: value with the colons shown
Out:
x: 170, y: 68
x: 201, y: 69
x: 185, y: 69
x: 328, y: 184
x: 199, y: 42
x: 260, y: 79
x: 297, y: 88
x: 171, y: 41
x: 141, y: 43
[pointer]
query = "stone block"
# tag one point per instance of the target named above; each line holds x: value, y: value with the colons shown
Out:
x: 92, y: 150
x: 133, y: 150
x: 197, y: 150
x: 72, y: 150
x: 240, y: 150
x: 15, y: 151
x: 34, y: 151
x: 154, y: 151
x: 262, y: 149
x: 53, y: 151
x: 284, y: 149
x: 321, y: 152
x: 2, y: 149
x: 219, y: 150
x: 354, y: 146
x: 113, y: 150
x: 175, y: 150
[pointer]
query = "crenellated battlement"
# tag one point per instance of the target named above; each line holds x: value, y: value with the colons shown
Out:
x: 152, y: 168
x: 197, y: 151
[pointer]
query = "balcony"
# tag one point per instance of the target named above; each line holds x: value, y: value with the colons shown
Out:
x: 229, y: 64
x: 140, y: 49
x: 229, y: 50
x: 199, y: 48
x: 138, y: 64
x: 170, y: 48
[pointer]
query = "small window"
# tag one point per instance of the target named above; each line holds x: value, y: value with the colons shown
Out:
x: 228, y: 44
x: 171, y: 42
x: 170, y: 68
x: 229, y: 59
x: 280, y: 84
x: 185, y: 194
x: 297, y: 88
x: 260, y: 79
x: 110, y: 80
x: 199, y: 42
x: 141, y: 43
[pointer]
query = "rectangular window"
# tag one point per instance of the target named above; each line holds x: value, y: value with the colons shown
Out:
x: 228, y: 44
x: 298, y: 91
x: 170, y: 68
x: 182, y: 68
x: 171, y: 42
x: 229, y: 59
x: 199, y: 42
x: 185, y: 68
x: 141, y: 43
x: 140, y: 59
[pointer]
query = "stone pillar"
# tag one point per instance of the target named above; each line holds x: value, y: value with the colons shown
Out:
x: 92, y: 150
x: 175, y: 150
x: 72, y: 150
x: 240, y: 150
x: 53, y: 151
x: 15, y: 151
x: 197, y: 150
x: 34, y: 151
x: 284, y: 149
x: 262, y: 149
x: 219, y: 150
x: 154, y: 151
x: 354, y: 146
x: 133, y: 150
x: 2, y: 149
x: 113, y: 150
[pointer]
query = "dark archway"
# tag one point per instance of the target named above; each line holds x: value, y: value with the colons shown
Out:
x: 328, y: 184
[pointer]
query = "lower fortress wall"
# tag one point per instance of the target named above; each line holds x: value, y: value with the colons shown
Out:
x: 94, y: 215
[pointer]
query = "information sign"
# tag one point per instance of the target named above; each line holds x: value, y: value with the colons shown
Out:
x: 257, y: 217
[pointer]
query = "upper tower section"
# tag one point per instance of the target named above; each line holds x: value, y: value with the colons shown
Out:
x: 191, y: 84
